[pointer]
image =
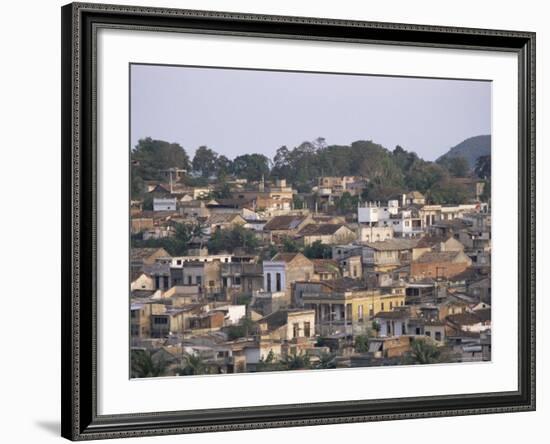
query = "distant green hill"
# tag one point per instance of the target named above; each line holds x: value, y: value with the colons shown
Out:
x: 470, y: 149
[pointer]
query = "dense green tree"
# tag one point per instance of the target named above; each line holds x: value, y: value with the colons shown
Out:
x: 318, y: 250
x: 347, y: 203
x: 223, y: 167
x: 192, y: 365
x: 424, y: 175
x: 326, y: 361
x: 205, y: 161
x: 223, y: 191
x: 230, y: 239
x: 423, y: 352
x: 176, y: 245
x: 289, y: 245
x: 245, y: 328
x: 448, y: 193
x: 144, y: 366
x: 457, y: 166
x: 361, y: 344
x: 297, y: 361
x: 251, y: 166
x: 151, y: 156
x: 483, y: 167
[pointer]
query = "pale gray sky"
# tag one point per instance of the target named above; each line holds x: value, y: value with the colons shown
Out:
x: 236, y: 112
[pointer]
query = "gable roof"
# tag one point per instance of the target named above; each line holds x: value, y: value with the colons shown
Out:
x: 431, y: 240
x: 284, y: 223
x: 392, y: 244
x: 320, y: 230
x: 439, y: 256
x: 396, y: 314
x: 288, y: 257
x: 224, y: 218
x: 325, y: 266
x: 145, y: 253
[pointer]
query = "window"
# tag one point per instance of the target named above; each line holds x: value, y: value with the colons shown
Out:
x: 429, y: 334
x: 237, y: 280
x: 360, y: 312
x: 307, y: 329
x: 178, y: 262
x: 165, y: 282
x: 278, y: 282
x: 295, y: 330
x: 417, y: 330
x: 161, y: 321
x: 391, y: 305
x: 199, y: 280
x: 157, y: 281
x: 210, y: 283
x: 403, y: 328
x: 355, y: 271
x: 381, y: 306
x: 438, y: 336
x: 268, y: 280
x: 189, y: 280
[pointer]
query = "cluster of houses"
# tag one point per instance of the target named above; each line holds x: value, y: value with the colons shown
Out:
x: 392, y: 273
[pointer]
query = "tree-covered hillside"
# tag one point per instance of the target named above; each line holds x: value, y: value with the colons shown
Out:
x: 470, y: 149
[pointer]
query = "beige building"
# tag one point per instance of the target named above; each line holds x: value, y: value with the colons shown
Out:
x: 284, y: 269
x: 329, y: 234
x: 288, y: 325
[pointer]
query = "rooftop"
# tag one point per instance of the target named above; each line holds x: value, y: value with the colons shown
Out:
x: 393, y: 244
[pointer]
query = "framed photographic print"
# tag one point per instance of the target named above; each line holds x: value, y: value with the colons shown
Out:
x: 279, y: 221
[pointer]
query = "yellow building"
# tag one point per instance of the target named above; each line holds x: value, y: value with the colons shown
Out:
x: 344, y: 307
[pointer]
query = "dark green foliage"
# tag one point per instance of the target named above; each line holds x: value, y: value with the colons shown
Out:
x: 251, y: 166
x: 193, y: 365
x: 144, y: 366
x: 326, y: 361
x: 230, y: 239
x: 318, y: 250
x: 289, y: 245
x: 222, y: 192
x: 205, y: 161
x: 176, y: 245
x: 446, y: 193
x: 296, y: 361
x: 361, y: 344
x: 457, y: 166
x: 244, y: 299
x: 423, y: 352
x: 483, y: 167
x: 347, y: 203
x: 149, y: 157
x: 244, y: 329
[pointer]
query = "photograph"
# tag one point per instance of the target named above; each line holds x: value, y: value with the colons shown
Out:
x: 301, y: 221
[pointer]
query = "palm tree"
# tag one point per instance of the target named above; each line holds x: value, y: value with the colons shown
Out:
x: 326, y: 360
x: 144, y: 366
x: 194, y: 365
x: 297, y: 361
x: 423, y: 352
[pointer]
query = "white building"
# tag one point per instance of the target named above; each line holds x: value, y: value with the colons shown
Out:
x: 374, y: 213
x: 164, y: 204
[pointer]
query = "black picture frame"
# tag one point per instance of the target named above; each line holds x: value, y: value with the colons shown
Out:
x: 80, y: 420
